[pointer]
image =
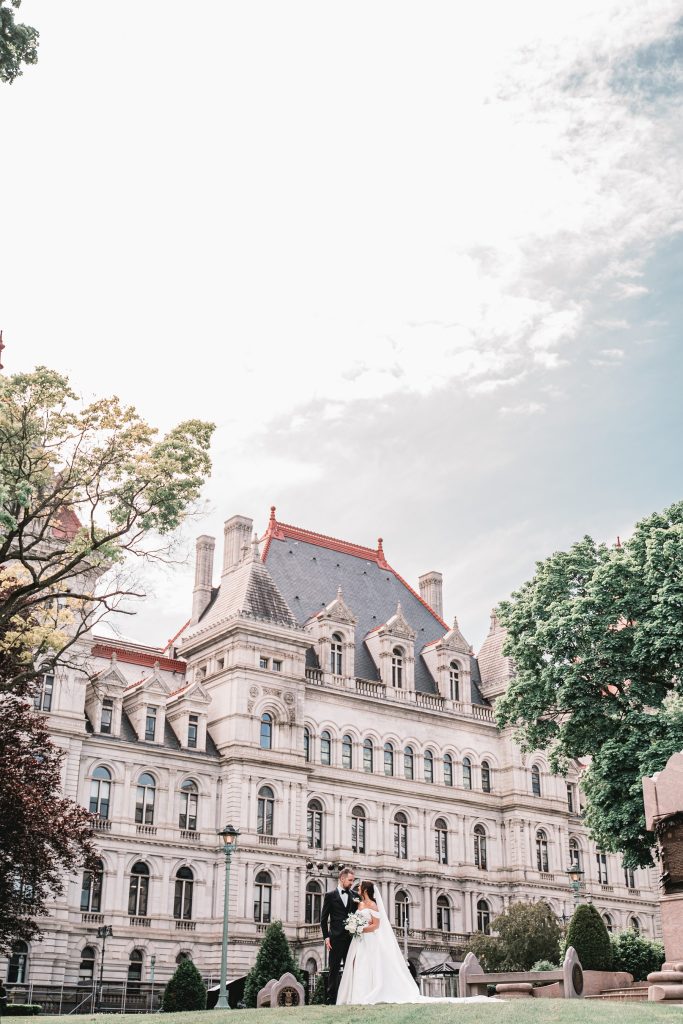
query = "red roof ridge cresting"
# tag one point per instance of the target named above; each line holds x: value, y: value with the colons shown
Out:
x: 285, y: 531
x: 100, y: 650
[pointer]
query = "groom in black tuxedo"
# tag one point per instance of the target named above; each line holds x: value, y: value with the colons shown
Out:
x: 337, y: 906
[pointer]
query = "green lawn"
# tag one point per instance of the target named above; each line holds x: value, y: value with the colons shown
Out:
x: 542, y: 1011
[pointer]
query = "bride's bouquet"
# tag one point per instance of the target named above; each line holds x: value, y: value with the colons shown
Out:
x: 355, y: 923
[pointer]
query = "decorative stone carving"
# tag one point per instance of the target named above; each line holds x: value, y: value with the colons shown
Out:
x: 285, y: 992
x: 289, y: 697
x: 253, y: 691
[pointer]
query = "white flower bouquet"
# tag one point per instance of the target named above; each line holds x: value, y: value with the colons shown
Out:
x: 355, y: 923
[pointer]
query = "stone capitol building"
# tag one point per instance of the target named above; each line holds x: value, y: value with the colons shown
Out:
x: 318, y: 703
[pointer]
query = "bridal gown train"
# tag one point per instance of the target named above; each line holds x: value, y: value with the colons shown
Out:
x: 375, y: 971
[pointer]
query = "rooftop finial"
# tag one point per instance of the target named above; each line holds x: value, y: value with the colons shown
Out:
x: 254, y: 548
x: 339, y: 593
x: 618, y: 543
x: 494, y: 619
x: 272, y: 514
x: 380, y: 549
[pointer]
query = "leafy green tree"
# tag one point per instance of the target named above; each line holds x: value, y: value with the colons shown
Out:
x: 274, y: 959
x: 526, y: 932
x: 185, y: 990
x: 589, y: 937
x: 18, y: 43
x: 596, y: 637
x: 636, y: 954
x: 86, y: 490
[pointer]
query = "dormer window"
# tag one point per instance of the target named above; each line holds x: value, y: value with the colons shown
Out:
x: 107, y: 716
x: 336, y: 655
x: 454, y: 680
x: 397, y: 668
x: 193, y: 731
x: 150, y: 724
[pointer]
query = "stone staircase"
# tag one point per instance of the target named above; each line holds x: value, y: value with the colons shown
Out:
x: 636, y: 993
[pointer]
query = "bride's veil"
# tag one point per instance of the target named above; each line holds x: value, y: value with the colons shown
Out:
x: 385, y: 933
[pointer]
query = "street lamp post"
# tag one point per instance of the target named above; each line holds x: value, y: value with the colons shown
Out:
x: 229, y: 835
x: 575, y: 874
x: 152, y: 964
x: 104, y: 932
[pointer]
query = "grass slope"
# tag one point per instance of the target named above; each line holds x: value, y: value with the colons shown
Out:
x: 541, y: 1011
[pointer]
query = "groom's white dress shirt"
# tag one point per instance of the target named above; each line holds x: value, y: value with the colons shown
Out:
x: 344, y: 893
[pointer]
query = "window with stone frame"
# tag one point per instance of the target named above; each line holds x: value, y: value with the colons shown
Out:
x: 601, y: 861
x: 336, y: 649
x: 480, y: 852
x: 42, y: 697
x: 107, y: 716
x: 485, y: 777
x: 409, y: 763
x: 183, y: 894
x: 447, y: 770
x: 574, y: 853
x: 263, y: 897
x: 193, y: 732
x: 443, y: 914
x: 347, y: 752
x: 397, y: 666
x: 265, y: 811
x: 17, y: 969
x: 542, y: 850
x: 100, y: 792
x: 266, y: 732
x: 314, y: 825
x: 86, y: 970
x: 91, y: 889
x: 189, y: 802
x: 483, y: 917
x: 454, y: 681
x: 314, y: 899
x: 144, y: 799
x: 400, y: 836
x: 429, y: 766
x: 466, y: 773
x: 135, y: 962
x: 325, y: 747
x: 138, y: 890
x: 358, y: 829
x: 535, y: 780
x: 150, y: 724
x: 441, y: 840
x: 629, y: 877
x: 401, y: 910
x: 307, y: 744
x: 388, y: 758
x: 368, y: 756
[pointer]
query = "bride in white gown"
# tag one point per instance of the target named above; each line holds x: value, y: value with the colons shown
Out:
x: 375, y: 971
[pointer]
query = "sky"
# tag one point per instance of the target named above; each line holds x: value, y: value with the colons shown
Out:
x: 422, y: 264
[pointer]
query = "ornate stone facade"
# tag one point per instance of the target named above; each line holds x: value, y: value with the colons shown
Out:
x: 317, y: 702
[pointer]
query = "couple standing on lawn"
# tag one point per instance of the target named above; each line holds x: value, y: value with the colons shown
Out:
x: 374, y: 970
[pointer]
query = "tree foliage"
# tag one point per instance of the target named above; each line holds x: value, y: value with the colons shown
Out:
x: 85, y: 489
x: 636, y: 954
x: 185, y: 990
x: 274, y: 959
x: 596, y: 637
x: 18, y: 43
x: 525, y: 933
x: 44, y: 837
x: 589, y: 937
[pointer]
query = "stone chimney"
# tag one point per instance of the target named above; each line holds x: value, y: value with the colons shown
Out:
x: 431, y: 591
x: 236, y: 541
x: 203, y: 575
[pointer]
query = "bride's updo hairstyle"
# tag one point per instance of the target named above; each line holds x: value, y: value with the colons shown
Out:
x: 369, y: 890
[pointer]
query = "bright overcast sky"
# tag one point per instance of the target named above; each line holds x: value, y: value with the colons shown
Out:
x: 421, y: 263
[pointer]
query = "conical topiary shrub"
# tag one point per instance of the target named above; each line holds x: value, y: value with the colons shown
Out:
x: 185, y: 990
x: 589, y: 937
x: 274, y: 959
x: 320, y: 991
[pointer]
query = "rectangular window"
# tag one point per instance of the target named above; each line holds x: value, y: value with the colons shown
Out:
x: 263, y: 662
x: 192, y: 731
x: 107, y: 716
x: 42, y: 700
x: 571, y: 803
x: 629, y: 878
x: 601, y: 860
x: 277, y: 666
x: 150, y: 724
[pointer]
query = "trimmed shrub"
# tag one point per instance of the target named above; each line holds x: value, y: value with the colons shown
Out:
x: 589, y: 937
x: 319, y: 992
x: 22, y: 1010
x: 544, y: 965
x: 185, y: 990
x: 636, y: 954
x: 274, y: 959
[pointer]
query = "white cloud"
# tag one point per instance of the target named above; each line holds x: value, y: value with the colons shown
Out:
x: 523, y: 409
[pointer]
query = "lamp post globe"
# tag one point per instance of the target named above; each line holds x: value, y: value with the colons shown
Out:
x: 229, y: 837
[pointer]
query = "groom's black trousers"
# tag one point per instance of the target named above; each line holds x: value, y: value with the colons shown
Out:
x: 338, y: 952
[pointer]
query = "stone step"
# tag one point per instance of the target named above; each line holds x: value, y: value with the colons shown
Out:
x: 623, y: 995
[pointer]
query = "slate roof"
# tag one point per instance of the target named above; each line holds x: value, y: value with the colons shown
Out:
x: 309, y: 568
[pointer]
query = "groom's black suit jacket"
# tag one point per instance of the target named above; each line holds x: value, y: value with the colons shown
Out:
x: 334, y: 914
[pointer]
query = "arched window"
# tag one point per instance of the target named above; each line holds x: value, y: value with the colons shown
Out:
x: 397, y: 668
x: 265, y: 811
x: 325, y: 747
x: 100, y: 792
x: 480, y: 858
x: 91, y: 889
x: 368, y: 756
x: 400, y: 836
x: 542, y: 850
x: 313, y: 902
x: 138, y: 891
x: 86, y: 971
x: 42, y: 697
x: 315, y: 825
x: 429, y: 766
x: 17, y: 970
x: 486, y: 776
x: 188, y: 806
x: 629, y: 878
x: 336, y: 655
x: 263, y: 896
x: 182, y: 900
x: 466, y: 773
x: 443, y: 914
x: 266, y: 735
x: 144, y: 800
x: 358, y: 820
x: 182, y: 956
x: 135, y: 970
x: 312, y: 971
x: 448, y: 770
x: 409, y: 763
x: 454, y: 681
x: 347, y: 752
x: 307, y: 744
x: 536, y: 780
x: 483, y: 917
x: 441, y: 841
x: 388, y: 758
x: 574, y: 854
x: 634, y: 925
x: 402, y: 909
x: 609, y: 923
